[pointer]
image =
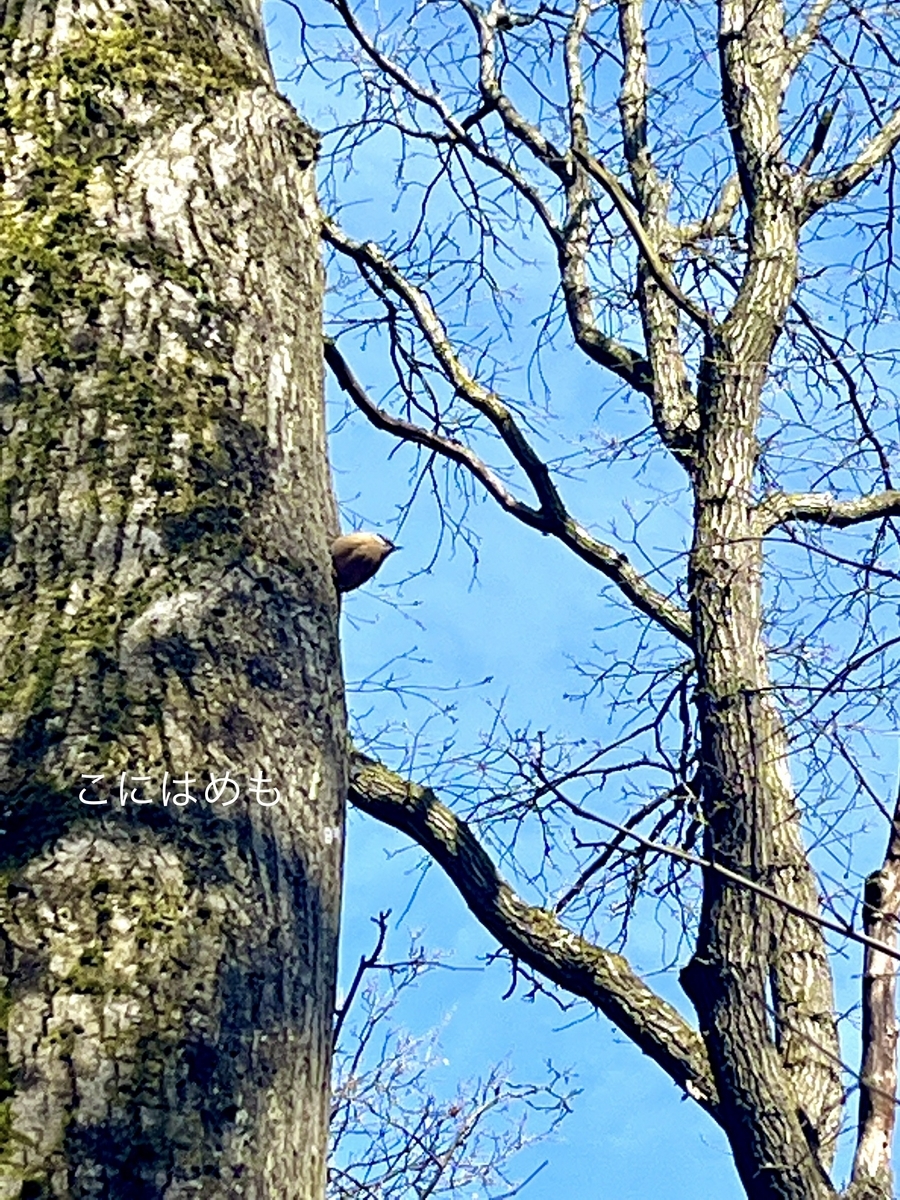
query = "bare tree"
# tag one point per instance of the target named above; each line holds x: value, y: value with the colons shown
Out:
x: 710, y: 191
x: 172, y: 737
x: 394, y: 1132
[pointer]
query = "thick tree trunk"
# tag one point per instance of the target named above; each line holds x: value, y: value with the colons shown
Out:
x: 168, y: 612
x: 760, y: 980
x: 759, y: 986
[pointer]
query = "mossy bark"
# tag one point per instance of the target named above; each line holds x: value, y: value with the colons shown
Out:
x: 168, y: 611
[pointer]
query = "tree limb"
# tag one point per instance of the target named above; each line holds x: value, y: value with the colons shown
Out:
x: 837, y: 186
x: 719, y: 220
x: 798, y: 910
x: 650, y: 254
x: 878, y: 1072
x: 458, y: 131
x: 573, y: 252
x: 852, y: 390
x: 533, y: 934
x: 366, y: 254
x: 821, y: 508
x: 447, y: 447
x: 606, y: 351
x: 551, y: 518
x: 817, y: 145
x: 674, y: 404
x: 485, y: 25
x: 801, y: 45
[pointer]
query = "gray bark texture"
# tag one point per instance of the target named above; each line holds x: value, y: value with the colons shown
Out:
x: 168, y: 611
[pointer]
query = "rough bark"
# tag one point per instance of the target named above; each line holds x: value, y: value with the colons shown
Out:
x: 168, y: 607
x: 878, y: 1074
x: 753, y: 967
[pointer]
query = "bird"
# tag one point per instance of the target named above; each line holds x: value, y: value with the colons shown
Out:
x: 357, y: 557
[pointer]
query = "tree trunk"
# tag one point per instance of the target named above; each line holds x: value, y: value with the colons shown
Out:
x: 169, y: 616
x: 758, y: 984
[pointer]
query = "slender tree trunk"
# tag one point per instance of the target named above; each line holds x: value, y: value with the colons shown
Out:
x: 168, y: 612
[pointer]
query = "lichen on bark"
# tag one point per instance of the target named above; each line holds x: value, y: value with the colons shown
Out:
x: 168, y: 610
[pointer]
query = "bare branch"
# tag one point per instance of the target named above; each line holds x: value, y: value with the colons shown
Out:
x: 817, y: 145
x: 572, y: 244
x: 841, y: 927
x: 535, y: 935
x: 852, y: 391
x: 877, y: 149
x: 551, y: 518
x: 366, y: 963
x: 485, y: 25
x: 458, y: 129
x: 719, y: 220
x: 578, y: 130
x: 822, y: 509
x: 572, y: 259
x: 407, y: 431
x: 574, y: 253
x: 753, y: 57
x: 651, y: 256
x: 464, y: 383
x: 633, y: 95
x: 625, y: 363
x: 803, y: 42
x: 674, y: 405
x: 612, y: 846
x: 629, y: 366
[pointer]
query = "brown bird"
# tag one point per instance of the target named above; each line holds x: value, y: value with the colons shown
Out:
x: 357, y: 557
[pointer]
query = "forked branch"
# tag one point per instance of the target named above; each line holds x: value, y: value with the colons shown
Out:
x: 648, y: 251
x: 370, y: 257
x: 535, y: 935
